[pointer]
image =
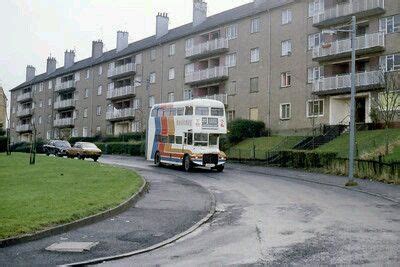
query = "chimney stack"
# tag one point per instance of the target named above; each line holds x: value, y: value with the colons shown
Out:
x: 51, y: 65
x: 199, y: 12
x: 97, y: 49
x: 122, y: 40
x: 162, y: 24
x: 69, y: 58
x: 30, y: 73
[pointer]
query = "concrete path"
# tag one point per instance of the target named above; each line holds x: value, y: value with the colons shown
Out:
x: 172, y: 206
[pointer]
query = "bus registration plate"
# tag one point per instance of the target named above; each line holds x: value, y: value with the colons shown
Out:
x: 210, y: 165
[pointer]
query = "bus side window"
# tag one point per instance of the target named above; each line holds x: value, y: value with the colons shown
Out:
x: 189, y: 110
x: 178, y: 140
x: 171, y: 139
x: 164, y: 139
x: 185, y: 140
x: 179, y: 112
x: 190, y: 139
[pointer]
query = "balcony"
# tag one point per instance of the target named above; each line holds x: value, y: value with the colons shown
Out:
x: 24, y: 97
x: 64, y: 104
x: 25, y: 112
x: 205, y: 76
x: 64, y: 122
x: 208, y: 48
x: 121, y: 92
x: 341, y: 84
x: 123, y: 70
x: 219, y: 97
x: 120, y: 114
x: 369, y: 43
x: 342, y: 12
x: 23, y: 128
x: 65, y: 86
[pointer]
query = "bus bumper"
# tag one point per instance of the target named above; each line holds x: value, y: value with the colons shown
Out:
x: 200, y: 163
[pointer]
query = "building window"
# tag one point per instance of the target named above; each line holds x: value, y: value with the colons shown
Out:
x: 77, y: 76
x: 315, y: 108
x: 85, y: 113
x: 314, y: 40
x: 50, y: 85
x: 171, y: 49
x: 40, y: 87
x: 189, y: 44
x: 232, y: 88
x: 86, y: 92
x: 313, y: 74
x: 98, y: 130
x: 253, y: 114
x: 171, y: 97
x: 314, y: 7
x: 153, y: 54
x: 74, y: 132
x: 84, y: 132
x: 100, y: 70
x: 136, y: 126
x: 231, y: 115
x: 40, y: 104
x: 87, y: 74
x: 171, y: 74
x: 254, y: 85
x: 98, y: 111
x: 286, y: 48
x: 231, y: 32
x: 138, y: 58
x: 152, y: 101
x: 99, y: 90
x: 390, y: 24
x: 285, y: 111
x: 390, y: 62
x: 230, y: 60
x: 255, y: 25
x: 40, y: 119
x: 255, y: 55
x: 49, y: 102
x: 187, y: 94
x: 286, y: 79
x: 48, y: 135
x: 136, y: 103
x: 286, y: 16
x: 189, y: 68
x: 153, y: 77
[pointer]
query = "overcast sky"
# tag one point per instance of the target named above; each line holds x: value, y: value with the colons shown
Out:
x: 31, y: 30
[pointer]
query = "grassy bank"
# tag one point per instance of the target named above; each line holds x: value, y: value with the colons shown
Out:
x: 56, y: 191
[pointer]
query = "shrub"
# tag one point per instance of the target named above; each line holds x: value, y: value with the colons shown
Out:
x: 240, y: 129
x: 305, y: 159
x: 93, y: 139
x: 25, y: 147
x: 3, y: 143
x: 123, y: 148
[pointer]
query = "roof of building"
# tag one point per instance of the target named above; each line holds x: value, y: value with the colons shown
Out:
x: 222, y: 18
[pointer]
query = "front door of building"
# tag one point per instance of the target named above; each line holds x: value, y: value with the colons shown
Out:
x: 360, y: 110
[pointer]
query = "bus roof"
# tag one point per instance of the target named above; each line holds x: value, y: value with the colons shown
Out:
x: 193, y: 102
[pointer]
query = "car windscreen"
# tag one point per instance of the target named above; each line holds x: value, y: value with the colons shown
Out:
x: 63, y: 144
x: 90, y: 146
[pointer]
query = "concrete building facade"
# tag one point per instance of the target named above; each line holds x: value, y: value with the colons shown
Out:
x: 3, y: 109
x: 270, y: 60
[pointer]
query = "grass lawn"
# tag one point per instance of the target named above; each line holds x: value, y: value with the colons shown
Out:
x: 367, y: 142
x: 56, y: 191
x: 262, y: 144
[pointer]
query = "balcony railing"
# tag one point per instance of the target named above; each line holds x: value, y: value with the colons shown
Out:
x: 65, y: 86
x: 209, y: 47
x: 117, y: 114
x: 341, y: 82
x: 347, y: 9
x: 61, y: 104
x: 219, y: 97
x: 211, y: 74
x: 64, y: 122
x: 24, y: 112
x: 23, y: 128
x: 24, y: 97
x: 363, y: 43
x: 122, y: 70
x: 121, y: 92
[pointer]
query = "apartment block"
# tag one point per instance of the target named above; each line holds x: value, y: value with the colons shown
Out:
x: 276, y: 61
x: 3, y: 109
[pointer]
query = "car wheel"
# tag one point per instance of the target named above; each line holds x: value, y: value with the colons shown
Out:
x: 95, y: 159
x: 81, y: 157
x: 157, y: 159
x: 187, y: 165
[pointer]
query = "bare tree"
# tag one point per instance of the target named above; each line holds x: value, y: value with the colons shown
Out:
x: 387, y: 103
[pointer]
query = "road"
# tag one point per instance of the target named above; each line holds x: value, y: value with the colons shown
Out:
x: 267, y: 218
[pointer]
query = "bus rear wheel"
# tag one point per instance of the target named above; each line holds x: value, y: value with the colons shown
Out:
x: 157, y: 159
x: 187, y: 165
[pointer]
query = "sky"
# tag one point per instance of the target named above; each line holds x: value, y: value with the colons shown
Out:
x: 31, y: 30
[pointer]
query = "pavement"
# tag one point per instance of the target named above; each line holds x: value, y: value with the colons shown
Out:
x: 172, y: 205
x: 264, y: 216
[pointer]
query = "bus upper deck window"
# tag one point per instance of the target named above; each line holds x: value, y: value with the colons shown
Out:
x: 179, y: 111
x: 189, y: 110
x: 202, y: 111
x: 172, y: 112
x: 217, y: 112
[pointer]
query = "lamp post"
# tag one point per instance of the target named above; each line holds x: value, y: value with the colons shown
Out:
x: 353, y: 32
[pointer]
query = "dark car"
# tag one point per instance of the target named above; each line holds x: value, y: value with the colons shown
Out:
x: 57, y: 148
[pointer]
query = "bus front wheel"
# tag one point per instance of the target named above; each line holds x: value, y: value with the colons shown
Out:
x: 157, y: 159
x: 220, y: 168
x: 187, y: 165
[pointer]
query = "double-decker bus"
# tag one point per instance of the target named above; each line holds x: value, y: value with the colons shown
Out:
x: 187, y: 134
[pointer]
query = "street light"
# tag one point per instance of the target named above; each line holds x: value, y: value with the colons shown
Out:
x: 353, y: 32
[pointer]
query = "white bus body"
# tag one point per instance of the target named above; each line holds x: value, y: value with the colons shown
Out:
x: 187, y: 134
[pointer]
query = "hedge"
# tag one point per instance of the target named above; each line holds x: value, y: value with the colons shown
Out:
x: 109, y: 139
x: 123, y: 148
x: 305, y: 159
x: 25, y: 147
x: 3, y: 144
x: 241, y: 129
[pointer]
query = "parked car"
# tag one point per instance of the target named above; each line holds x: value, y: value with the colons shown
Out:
x: 57, y: 148
x: 83, y: 150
